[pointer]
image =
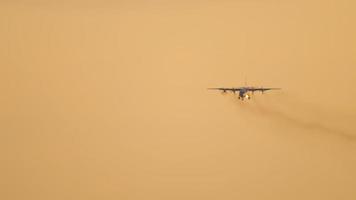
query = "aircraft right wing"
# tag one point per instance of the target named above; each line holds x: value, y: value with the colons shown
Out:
x: 226, y: 89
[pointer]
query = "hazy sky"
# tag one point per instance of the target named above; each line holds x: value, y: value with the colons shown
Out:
x: 108, y: 100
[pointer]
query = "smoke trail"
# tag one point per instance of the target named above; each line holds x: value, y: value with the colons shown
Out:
x: 297, y: 103
x: 307, y: 124
x: 291, y: 116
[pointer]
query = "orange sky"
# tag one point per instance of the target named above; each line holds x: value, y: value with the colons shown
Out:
x: 108, y: 100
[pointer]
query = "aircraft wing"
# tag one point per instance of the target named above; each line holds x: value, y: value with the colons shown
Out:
x: 226, y: 89
x: 262, y: 89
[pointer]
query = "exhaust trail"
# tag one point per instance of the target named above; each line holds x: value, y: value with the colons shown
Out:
x: 292, y: 101
x: 291, y: 116
x: 307, y: 124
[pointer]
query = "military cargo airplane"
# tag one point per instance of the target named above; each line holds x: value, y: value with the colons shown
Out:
x: 244, y: 91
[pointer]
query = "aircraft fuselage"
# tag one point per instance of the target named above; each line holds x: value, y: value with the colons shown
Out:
x: 243, y: 94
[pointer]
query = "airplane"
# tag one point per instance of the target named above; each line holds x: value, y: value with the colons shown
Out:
x: 243, y: 91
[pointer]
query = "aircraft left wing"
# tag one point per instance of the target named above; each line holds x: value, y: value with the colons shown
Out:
x: 261, y: 89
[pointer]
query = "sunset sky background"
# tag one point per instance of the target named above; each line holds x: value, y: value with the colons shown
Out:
x: 108, y: 100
